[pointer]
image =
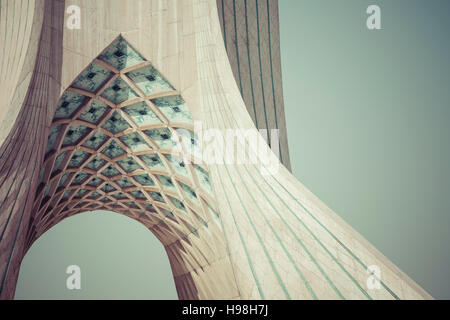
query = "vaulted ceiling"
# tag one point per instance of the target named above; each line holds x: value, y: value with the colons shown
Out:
x: 112, y: 146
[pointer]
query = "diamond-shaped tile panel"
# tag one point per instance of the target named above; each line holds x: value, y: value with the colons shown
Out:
x: 213, y: 212
x: 137, y: 194
x: 95, y: 112
x: 129, y: 165
x: 189, y: 192
x: 113, y: 150
x: 131, y: 204
x: 178, y: 165
x: 169, y: 214
x: 174, y: 108
x: 58, y: 161
x: 96, y: 140
x: 190, y: 141
x: 80, y: 178
x: 81, y: 204
x: 162, y: 137
x: 203, y: 178
x: 144, y: 179
x: 106, y: 188
x: 153, y: 161
x: 68, y: 104
x: 149, y: 207
x: 74, y: 134
x: 118, y: 92
x: 110, y: 171
x: 156, y: 196
x: 52, y: 136
x: 63, y: 179
x: 166, y: 182
x: 94, y: 195
x: 41, y: 174
x: 201, y: 220
x: 96, y: 163
x: 149, y: 80
x: 124, y: 182
x: 78, y: 158
x: 178, y: 204
x: 141, y: 114
x: 95, y: 182
x: 120, y: 196
x: 116, y: 123
x: 92, y: 78
x: 80, y: 193
x: 121, y: 55
x: 105, y: 200
x: 191, y: 228
x: 65, y: 195
x: 135, y: 142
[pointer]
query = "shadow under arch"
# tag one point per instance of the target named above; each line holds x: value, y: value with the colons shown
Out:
x: 119, y: 141
x: 118, y: 259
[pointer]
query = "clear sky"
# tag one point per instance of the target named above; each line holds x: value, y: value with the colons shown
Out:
x: 368, y: 116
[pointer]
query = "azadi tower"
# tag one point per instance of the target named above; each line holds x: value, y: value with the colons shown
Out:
x: 91, y: 119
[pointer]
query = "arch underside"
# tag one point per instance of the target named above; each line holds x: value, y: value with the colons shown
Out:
x: 110, y: 147
x: 113, y: 145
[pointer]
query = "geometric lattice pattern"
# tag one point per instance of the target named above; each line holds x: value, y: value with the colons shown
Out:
x: 111, y: 147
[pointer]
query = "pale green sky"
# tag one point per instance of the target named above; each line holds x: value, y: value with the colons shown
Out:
x: 368, y: 116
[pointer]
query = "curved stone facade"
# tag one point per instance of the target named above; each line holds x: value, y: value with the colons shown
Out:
x: 252, y: 40
x: 256, y: 233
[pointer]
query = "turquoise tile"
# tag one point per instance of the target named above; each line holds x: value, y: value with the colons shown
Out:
x: 203, y: 178
x: 137, y: 194
x: 129, y: 165
x: 95, y: 112
x: 113, y: 150
x: 166, y: 182
x: 63, y: 179
x: 94, y: 195
x: 135, y: 142
x: 141, y: 114
x: 96, y: 163
x: 169, y: 214
x: 110, y: 171
x: 78, y: 158
x: 124, y: 182
x: 116, y: 123
x: 92, y: 78
x: 79, y: 178
x: 189, y: 192
x: 96, y: 140
x: 153, y: 161
x: 177, y: 203
x: 106, y: 188
x: 162, y: 137
x: 120, y: 196
x: 58, y: 161
x: 95, y: 182
x: 144, y: 179
x: 80, y: 193
x: 118, y: 92
x: 68, y: 104
x: 121, y: 55
x: 178, y: 165
x: 52, y: 136
x: 75, y: 134
x: 174, y: 108
x: 156, y: 196
x: 149, y: 80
